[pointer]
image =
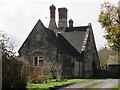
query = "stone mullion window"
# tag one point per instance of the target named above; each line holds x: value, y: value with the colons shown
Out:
x: 37, y: 60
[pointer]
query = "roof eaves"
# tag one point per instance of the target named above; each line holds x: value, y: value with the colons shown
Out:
x: 85, y: 40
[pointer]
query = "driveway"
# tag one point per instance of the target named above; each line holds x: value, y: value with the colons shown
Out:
x: 103, y: 84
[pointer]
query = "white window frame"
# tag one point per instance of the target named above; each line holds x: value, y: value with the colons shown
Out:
x: 39, y: 59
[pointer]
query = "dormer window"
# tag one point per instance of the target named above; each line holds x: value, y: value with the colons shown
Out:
x: 37, y: 60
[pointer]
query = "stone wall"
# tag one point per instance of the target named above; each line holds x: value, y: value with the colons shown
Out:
x: 71, y: 66
x: 43, y: 48
x: 88, y: 59
x: 67, y: 64
x: 38, y: 43
x: 114, y: 70
x: 91, y: 60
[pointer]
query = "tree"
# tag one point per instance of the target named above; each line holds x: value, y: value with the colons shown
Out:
x: 103, y: 56
x: 14, y: 73
x: 14, y: 68
x: 109, y: 18
x: 52, y: 68
x: 44, y: 70
x: 107, y: 56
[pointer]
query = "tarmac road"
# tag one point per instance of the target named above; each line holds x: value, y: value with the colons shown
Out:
x: 103, y: 85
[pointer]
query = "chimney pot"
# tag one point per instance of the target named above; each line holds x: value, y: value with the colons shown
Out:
x: 52, y: 11
x: 52, y: 24
x: 70, y: 23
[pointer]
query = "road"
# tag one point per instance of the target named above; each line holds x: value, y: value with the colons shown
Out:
x: 102, y: 84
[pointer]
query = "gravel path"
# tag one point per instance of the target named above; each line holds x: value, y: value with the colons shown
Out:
x: 105, y: 84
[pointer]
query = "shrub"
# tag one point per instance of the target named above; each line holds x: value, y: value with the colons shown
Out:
x: 34, y: 73
x: 66, y: 77
x: 14, y: 69
x: 14, y: 72
x: 42, y: 78
x: 53, y: 68
x: 44, y: 70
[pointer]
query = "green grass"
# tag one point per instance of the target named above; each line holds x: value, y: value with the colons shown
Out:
x: 53, y: 84
x: 116, y: 87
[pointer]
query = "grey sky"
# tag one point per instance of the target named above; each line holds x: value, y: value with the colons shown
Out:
x: 18, y: 17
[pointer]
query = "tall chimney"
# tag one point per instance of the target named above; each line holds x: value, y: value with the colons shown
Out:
x: 52, y: 24
x: 62, y: 17
x: 70, y: 23
x: 52, y: 11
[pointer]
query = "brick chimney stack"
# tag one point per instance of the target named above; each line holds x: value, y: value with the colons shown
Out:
x: 62, y: 17
x: 70, y: 23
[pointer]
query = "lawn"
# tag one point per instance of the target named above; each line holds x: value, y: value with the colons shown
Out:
x: 117, y: 86
x: 53, y: 84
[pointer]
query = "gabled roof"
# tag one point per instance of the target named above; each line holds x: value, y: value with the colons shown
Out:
x: 38, y: 25
x: 80, y: 28
x: 71, y: 41
x: 75, y: 36
x: 65, y: 46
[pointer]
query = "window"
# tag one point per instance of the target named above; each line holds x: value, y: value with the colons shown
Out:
x: 40, y: 59
x: 37, y: 60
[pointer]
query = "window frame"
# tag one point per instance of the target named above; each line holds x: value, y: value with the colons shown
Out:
x: 39, y: 60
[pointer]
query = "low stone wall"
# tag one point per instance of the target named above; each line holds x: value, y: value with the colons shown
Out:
x: 114, y: 70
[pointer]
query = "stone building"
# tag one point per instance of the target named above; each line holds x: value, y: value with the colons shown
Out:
x: 73, y: 47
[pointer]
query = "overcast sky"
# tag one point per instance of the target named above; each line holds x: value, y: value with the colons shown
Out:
x: 18, y: 17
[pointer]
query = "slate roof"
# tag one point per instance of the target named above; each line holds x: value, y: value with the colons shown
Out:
x: 71, y: 41
x: 75, y: 36
x: 80, y: 28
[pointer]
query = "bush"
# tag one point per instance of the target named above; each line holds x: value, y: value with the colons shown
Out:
x: 14, y: 72
x: 52, y: 68
x: 42, y: 79
x: 14, y: 69
x: 34, y: 73
x: 40, y: 73
x: 66, y: 77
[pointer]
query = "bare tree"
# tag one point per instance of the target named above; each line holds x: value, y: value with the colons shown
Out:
x: 46, y: 68
x: 52, y: 68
